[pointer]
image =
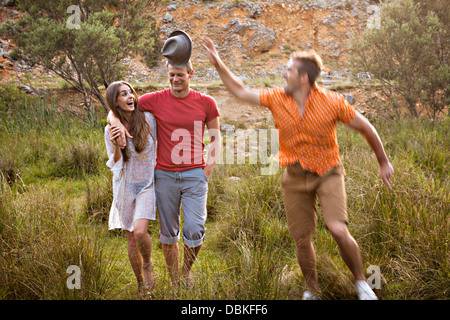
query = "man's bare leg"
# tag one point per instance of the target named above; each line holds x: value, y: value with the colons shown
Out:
x: 172, y: 257
x: 351, y: 255
x: 348, y: 248
x: 190, y: 255
x: 306, y: 257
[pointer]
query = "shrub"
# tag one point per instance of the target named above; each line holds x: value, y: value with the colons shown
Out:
x: 79, y: 159
x: 93, y: 41
x: 10, y: 97
x: 409, y: 54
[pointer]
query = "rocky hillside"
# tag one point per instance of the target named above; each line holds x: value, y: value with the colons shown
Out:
x: 247, y: 32
x: 255, y: 38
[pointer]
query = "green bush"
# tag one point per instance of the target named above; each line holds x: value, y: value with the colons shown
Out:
x: 94, y: 40
x: 409, y: 55
x: 11, y: 98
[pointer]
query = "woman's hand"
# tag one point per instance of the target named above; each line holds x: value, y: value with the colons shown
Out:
x: 114, y: 133
x: 113, y: 121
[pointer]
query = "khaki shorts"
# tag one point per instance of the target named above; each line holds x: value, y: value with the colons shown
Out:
x: 300, y: 191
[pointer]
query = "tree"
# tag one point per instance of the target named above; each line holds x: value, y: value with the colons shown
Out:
x: 408, y: 54
x: 436, y: 91
x: 84, y: 42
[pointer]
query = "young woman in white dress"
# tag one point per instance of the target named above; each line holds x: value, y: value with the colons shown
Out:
x: 133, y: 179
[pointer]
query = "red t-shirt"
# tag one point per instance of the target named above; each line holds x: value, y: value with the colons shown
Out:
x: 181, y: 125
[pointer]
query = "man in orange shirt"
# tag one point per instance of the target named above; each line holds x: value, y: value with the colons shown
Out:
x: 306, y: 116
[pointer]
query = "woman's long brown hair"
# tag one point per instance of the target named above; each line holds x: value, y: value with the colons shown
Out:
x: 138, y: 126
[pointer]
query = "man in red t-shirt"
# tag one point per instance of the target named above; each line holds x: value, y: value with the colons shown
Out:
x: 181, y: 173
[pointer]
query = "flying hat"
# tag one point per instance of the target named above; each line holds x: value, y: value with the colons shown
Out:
x: 177, y: 49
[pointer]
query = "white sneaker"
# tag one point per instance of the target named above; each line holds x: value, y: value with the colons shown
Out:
x: 307, y: 295
x: 365, y: 292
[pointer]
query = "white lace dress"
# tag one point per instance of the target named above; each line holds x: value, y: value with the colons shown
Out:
x: 133, y: 182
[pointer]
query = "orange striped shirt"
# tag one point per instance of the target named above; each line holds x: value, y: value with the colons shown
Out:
x: 309, y: 139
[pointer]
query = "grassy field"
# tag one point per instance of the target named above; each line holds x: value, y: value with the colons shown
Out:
x: 55, y: 194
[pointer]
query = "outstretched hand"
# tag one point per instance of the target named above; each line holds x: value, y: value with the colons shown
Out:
x: 211, y: 51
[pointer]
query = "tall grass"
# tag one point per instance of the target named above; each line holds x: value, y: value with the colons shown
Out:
x: 405, y: 231
x: 43, y: 230
x: 56, y: 193
x: 253, y: 234
x: 40, y: 238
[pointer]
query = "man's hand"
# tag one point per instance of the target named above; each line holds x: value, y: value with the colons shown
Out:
x: 386, y: 170
x: 208, y: 169
x: 113, y: 135
x: 361, y: 124
x: 231, y: 82
x: 121, y: 140
x: 211, y: 51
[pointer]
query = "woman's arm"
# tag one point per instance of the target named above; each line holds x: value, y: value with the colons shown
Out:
x: 114, y: 122
x: 113, y: 135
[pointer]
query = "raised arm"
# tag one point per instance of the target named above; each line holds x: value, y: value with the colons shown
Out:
x: 231, y: 82
x: 362, y: 125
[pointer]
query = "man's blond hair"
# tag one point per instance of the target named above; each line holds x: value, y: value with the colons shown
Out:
x: 311, y: 63
x: 188, y: 66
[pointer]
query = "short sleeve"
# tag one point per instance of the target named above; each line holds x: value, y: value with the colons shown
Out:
x: 266, y: 98
x: 152, y: 123
x: 346, y: 112
x: 212, y: 112
x: 146, y: 102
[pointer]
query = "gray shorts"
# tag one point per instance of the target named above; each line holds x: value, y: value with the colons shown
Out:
x: 186, y: 188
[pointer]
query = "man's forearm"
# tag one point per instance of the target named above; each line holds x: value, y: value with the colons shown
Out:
x: 233, y: 83
x: 375, y: 143
x: 363, y: 126
x: 214, y: 146
x: 113, y: 120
